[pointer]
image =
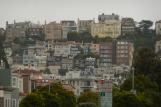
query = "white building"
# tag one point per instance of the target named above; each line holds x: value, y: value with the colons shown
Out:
x: 6, y: 97
x: 158, y: 27
x: 81, y: 80
x: 90, y: 62
x: 62, y: 49
x: 157, y: 46
x: 35, y: 56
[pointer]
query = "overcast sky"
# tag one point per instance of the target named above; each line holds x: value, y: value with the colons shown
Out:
x: 56, y: 10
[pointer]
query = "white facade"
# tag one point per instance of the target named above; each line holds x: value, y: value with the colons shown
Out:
x: 74, y: 50
x: 17, y: 81
x: 157, y: 46
x: 54, y: 69
x: 35, y: 56
x: 6, y: 96
x: 62, y: 50
x: 158, y: 27
x: 81, y: 82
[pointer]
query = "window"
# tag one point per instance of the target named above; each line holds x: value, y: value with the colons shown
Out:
x: 6, y: 104
x: 14, y: 82
x: 14, y: 103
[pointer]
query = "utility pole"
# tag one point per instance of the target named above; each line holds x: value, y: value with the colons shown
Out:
x: 133, y: 81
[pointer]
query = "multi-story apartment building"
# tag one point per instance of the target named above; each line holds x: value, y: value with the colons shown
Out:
x: 35, y: 31
x: 158, y: 27
x: 35, y: 56
x: 102, y: 18
x: 75, y: 49
x: 110, y: 28
x: 117, y: 52
x: 107, y: 54
x: 81, y: 80
x: 62, y: 49
x: 90, y: 62
x: 127, y: 26
x: 84, y: 25
x: 124, y: 53
x: 67, y: 63
x: 68, y: 26
x: 54, y: 60
x: 53, y: 31
x: 16, y: 30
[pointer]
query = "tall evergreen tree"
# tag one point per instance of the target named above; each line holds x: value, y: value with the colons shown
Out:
x: 3, y: 55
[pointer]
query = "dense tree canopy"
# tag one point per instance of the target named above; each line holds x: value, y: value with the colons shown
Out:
x: 147, y: 69
x: 46, y: 71
x: 24, y: 41
x: 145, y: 24
x: 86, y: 37
x: 79, y: 37
x: 3, y: 55
x: 53, y: 96
x: 125, y: 99
x: 88, y: 98
x: 147, y: 63
x: 32, y: 100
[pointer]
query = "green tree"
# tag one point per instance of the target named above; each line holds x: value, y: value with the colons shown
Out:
x: 147, y: 63
x: 125, y: 99
x: 87, y: 105
x: 142, y: 84
x: 73, y: 36
x: 57, y: 96
x: 145, y: 24
x: 46, y: 71
x: 32, y: 100
x: 88, y: 97
x: 50, y: 100
x: 3, y: 55
x: 24, y: 41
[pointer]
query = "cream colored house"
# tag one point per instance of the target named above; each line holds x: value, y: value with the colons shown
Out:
x: 111, y: 28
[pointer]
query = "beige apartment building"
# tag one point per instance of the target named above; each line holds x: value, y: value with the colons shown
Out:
x: 53, y: 31
x: 84, y: 25
x: 111, y: 28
